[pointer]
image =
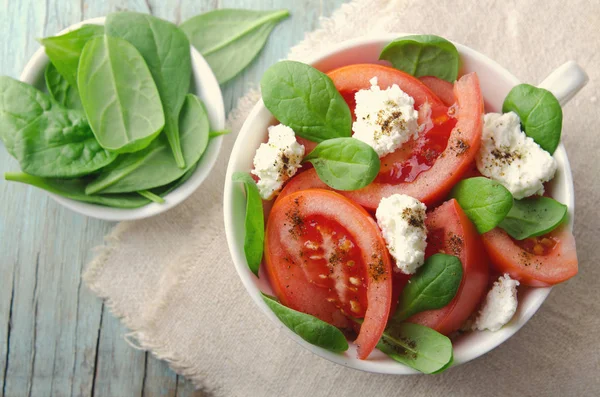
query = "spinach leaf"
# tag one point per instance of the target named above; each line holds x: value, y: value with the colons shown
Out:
x: 532, y: 217
x: 166, y: 50
x: 306, y: 100
x: 254, y: 222
x: 230, y: 39
x: 309, y: 328
x: 540, y: 114
x: 118, y: 94
x: 433, y: 286
x: 424, y: 55
x: 47, y: 139
x: 486, y: 202
x: 75, y: 189
x: 418, y: 347
x: 60, y: 89
x: 65, y: 50
x: 155, y: 166
x: 151, y: 196
x: 345, y: 163
x: 164, y: 190
x: 214, y: 134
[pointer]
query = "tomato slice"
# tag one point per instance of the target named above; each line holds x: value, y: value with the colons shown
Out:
x: 451, y: 232
x: 428, y: 167
x: 538, y: 262
x: 325, y: 256
x: 433, y: 184
x: 441, y: 88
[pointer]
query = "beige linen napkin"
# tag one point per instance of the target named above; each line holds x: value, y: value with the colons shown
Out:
x: 171, y: 280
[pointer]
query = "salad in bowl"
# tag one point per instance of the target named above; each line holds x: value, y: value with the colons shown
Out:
x: 408, y: 204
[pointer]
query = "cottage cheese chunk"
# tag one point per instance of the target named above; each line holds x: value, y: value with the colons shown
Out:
x: 277, y: 160
x: 499, y: 306
x: 385, y: 119
x: 401, y: 219
x: 512, y: 158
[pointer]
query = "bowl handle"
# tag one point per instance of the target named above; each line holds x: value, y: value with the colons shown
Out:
x: 565, y: 81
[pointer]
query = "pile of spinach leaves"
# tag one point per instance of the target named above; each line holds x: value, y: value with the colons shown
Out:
x: 118, y: 126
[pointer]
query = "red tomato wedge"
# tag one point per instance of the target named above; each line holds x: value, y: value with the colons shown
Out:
x: 325, y: 256
x: 428, y: 167
x: 536, y: 262
x: 433, y: 184
x: 452, y: 233
x: 441, y: 88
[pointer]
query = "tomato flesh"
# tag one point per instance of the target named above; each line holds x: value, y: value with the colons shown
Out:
x: 538, y: 262
x: 325, y: 256
x: 451, y: 232
x: 441, y: 88
x: 415, y: 157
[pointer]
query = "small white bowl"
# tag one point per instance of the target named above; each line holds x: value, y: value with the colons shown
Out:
x: 204, y: 84
x: 496, y: 82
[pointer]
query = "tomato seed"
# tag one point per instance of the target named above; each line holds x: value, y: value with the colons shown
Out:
x: 354, y: 306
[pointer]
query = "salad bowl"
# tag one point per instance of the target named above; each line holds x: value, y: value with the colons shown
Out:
x: 495, y: 83
x: 204, y: 84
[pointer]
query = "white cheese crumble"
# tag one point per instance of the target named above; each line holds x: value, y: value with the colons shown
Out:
x: 277, y: 160
x: 385, y: 119
x: 401, y: 219
x: 499, y: 306
x: 512, y: 158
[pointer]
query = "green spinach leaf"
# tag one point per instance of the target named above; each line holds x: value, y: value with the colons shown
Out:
x: 60, y: 89
x: 151, y: 196
x: 75, y: 189
x: 486, y: 202
x: 214, y: 134
x: 345, y: 163
x: 532, y: 217
x: 166, y: 50
x: 254, y: 222
x: 418, y: 347
x: 164, y: 190
x: 118, y: 94
x: 540, y: 114
x: 306, y: 100
x: 424, y: 55
x: 309, y: 328
x: 155, y: 166
x: 433, y: 286
x: 47, y: 139
x: 230, y: 39
x: 65, y: 50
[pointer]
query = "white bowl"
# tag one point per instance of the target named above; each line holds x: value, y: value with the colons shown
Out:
x: 496, y: 82
x: 204, y: 85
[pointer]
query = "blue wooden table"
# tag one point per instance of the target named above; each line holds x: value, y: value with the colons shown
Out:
x: 56, y: 337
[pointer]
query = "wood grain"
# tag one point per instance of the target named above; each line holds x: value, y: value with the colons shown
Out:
x: 56, y: 337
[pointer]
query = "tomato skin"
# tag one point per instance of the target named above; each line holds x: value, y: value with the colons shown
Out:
x: 352, y: 78
x: 441, y: 88
x: 533, y: 270
x: 450, y: 231
x: 290, y: 271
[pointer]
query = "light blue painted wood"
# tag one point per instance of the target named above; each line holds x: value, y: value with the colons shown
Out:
x: 56, y: 338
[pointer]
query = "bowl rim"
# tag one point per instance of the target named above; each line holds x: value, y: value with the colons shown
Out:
x: 214, y: 103
x: 539, y: 295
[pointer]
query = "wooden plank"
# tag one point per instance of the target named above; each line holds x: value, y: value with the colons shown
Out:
x: 159, y: 380
x: 120, y: 368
